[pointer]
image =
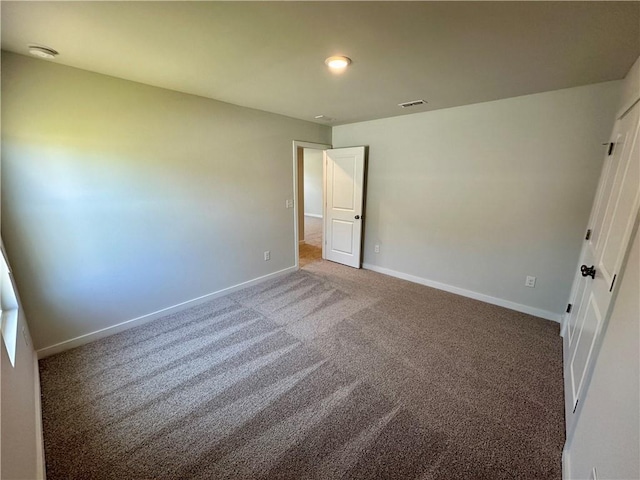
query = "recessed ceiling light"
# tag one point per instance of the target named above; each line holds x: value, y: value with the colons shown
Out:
x: 42, y: 52
x: 337, y: 62
x: 323, y: 117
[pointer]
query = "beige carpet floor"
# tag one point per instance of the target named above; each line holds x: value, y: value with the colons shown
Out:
x: 327, y: 373
x: 311, y: 250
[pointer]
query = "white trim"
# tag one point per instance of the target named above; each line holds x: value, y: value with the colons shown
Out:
x: 135, y: 322
x: 566, y: 463
x: 296, y: 239
x: 324, y: 204
x: 40, y: 466
x: 627, y: 109
x: 537, y: 312
x: 564, y: 321
x: 8, y: 308
x: 9, y: 320
x: 314, y: 215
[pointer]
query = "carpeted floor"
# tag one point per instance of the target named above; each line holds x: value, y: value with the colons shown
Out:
x: 327, y: 373
x: 311, y: 250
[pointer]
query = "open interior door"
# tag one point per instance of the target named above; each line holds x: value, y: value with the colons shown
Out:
x: 344, y: 208
x: 606, y: 241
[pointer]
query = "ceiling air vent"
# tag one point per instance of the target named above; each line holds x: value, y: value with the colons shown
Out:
x: 413, y: 103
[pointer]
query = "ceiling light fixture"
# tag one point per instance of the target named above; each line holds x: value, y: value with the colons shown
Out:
x: 42, y: 52
x: 323, y: 117
x: 337, y: 62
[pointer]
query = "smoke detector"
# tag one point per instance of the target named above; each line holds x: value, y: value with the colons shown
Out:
x: 412, y: 103
x: 42, y: 52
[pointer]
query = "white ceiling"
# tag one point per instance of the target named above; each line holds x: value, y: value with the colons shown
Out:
x: 270, y: 55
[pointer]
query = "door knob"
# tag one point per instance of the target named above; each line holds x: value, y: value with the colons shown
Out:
x: 357, y: 217
x: 588, y: 271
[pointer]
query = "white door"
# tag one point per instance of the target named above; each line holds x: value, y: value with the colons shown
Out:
x: 610, y: 227
x: 345, y: 170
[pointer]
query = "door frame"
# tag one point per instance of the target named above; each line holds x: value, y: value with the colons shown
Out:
x: 296, y: 188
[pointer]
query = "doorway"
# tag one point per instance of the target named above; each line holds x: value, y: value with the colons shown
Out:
x: 342, y: 199
x: 309, y: 192
x: 312, y: 206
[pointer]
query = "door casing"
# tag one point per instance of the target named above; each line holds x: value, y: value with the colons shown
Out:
x: 298, y: 145
x: 296, y: 191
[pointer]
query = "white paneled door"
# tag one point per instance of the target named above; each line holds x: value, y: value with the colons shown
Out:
x: 610, y: 227
x: 345, y: 173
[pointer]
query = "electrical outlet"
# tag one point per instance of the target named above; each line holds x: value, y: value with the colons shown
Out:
x: 376, y: 249
x: 530, y: 281
x: 267, y: 256
x: 24, y: 335
x: 288, y: 203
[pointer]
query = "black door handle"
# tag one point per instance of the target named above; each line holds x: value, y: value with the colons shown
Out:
x: 357, y: 217
x: 588, y: 271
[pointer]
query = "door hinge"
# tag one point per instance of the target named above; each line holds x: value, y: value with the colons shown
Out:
x: 588, y: 235
x: 576, y: 406
x: 611, y: 147
x: 613, y: 282
x: 569, y: 306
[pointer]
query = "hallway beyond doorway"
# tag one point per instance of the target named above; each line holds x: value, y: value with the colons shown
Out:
x: 311, y: 249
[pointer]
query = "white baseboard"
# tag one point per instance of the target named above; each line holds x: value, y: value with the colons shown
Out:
x: 518, y: 307
x: 565, y: 462
x: 135, y: 322
x: 314, y: 215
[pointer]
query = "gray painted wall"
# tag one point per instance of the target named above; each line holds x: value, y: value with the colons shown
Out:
x: 478, y: 197
x: 120, y: 199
